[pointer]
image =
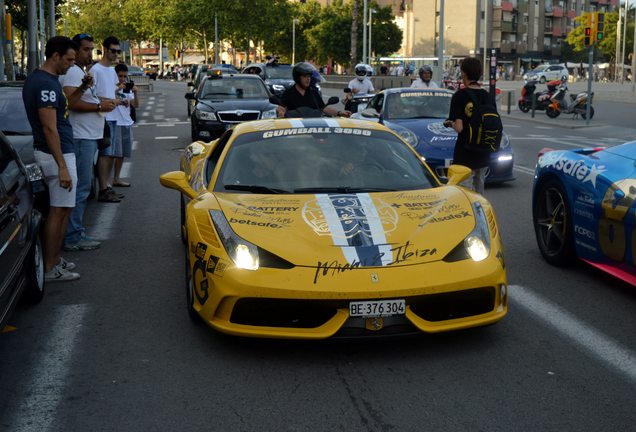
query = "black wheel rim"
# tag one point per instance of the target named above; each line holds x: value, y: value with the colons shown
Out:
x: 38, y: 266
x: 551, y: 221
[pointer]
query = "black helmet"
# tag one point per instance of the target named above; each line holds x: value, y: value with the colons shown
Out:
x: 425, y: 68
x: 302, y: 68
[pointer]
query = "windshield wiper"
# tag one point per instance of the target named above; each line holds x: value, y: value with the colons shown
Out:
x: 341, y: 189
x: 256, y: 189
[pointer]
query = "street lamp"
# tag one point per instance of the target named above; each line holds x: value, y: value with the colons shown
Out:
x: 294, y: 22
x: 371, y: 12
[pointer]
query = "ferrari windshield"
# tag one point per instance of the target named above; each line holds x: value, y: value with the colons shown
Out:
x: 321, y: 160
x: 417, y: 104
x: 233, y: 88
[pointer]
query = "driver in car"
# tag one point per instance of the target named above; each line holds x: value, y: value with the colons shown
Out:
x: 303, y: 94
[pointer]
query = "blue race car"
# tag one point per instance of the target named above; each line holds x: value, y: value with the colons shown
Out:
x: 417, y: 115
x: 583, y: 205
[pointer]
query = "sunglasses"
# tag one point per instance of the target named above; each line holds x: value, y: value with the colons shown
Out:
x: 83, y: 36
x: 114, y: 51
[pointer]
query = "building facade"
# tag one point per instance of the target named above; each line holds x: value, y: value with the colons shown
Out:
x: 518, y: 29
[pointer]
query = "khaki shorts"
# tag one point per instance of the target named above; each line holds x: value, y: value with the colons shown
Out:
x: 58, y: 196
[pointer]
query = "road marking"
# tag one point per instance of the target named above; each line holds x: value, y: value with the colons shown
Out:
x: 135, y: 144
x: 125, y: 169
x: 145, y: 113
x: 166, y: 137
x: 165, y: 125
x: 524, y: 170
x: 536, y: 136
x: 104, y: 220
x: 143, y: 123
x: 39, y: 398
x: 552, y: 141
x: 150, y: 103
x: 598, y: 344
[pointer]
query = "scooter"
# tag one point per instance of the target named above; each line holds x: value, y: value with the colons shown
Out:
x: 574, y: 104
x: 542, y: 98
x: 353, y: 101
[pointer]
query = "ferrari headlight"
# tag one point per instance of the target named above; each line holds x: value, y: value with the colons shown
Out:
x: 204, y: 115
x: 268, y: 114
x: 243, y: 253
x: 477, y: 243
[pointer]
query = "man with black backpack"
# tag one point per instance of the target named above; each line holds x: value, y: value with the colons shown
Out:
x: 473, y: 115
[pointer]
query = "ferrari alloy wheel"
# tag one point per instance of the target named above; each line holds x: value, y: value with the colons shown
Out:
x: 182, y: 224
x: 189, y: 288
x: 34, y: 289
x: 552, y: 223
x: 552, y: 112
x: 584, y: 113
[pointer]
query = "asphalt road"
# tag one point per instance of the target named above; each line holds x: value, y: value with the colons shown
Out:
x: 116, y: 351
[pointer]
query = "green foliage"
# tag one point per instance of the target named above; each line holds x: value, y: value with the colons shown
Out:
x: 322, y: 33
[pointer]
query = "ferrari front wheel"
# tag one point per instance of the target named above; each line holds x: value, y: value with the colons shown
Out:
x: 189, y: 288
x: 552, y: 223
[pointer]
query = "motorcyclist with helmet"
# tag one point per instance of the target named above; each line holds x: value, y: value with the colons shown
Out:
x: 426, y: 78
x: 303, y: 94
x: 360, y: 85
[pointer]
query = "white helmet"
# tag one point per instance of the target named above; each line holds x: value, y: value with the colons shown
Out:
x: 361, y: 71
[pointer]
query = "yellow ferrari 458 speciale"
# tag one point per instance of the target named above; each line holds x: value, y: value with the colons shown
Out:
x: 312, y: 228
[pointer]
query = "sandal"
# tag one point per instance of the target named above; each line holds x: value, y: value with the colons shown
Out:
x: 121, y: 184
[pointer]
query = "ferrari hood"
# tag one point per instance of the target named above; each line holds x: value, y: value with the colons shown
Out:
x: 365, y: 230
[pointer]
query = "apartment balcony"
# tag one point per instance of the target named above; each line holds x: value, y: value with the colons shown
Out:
x: 506, y: 6
x: 557, y: 31
x: 522, y: 28
x: 571, y: 14
x: 557, y: 12
x: 508, y: 27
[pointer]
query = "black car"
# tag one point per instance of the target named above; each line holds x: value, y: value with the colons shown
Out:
x: 224, y: 100
x: 15, y: 125
x: 21, y: 254
x: 277, y: 77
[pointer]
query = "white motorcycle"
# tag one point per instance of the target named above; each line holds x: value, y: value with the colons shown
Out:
x: 574, y: 104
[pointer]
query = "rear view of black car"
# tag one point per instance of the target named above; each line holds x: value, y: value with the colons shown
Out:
x: 21, y: 254
x: 224, y: 100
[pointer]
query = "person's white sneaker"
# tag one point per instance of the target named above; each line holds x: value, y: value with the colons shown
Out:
x: 65, y: 265
x: 58, y: 274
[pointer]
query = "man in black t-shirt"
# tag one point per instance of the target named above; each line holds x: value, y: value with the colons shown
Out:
x: 303, y: 94
x: 461, y: 110
x: 47, y: 112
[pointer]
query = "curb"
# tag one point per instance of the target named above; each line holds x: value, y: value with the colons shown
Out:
x: 549, y: 122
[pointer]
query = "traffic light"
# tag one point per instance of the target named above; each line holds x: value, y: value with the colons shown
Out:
x: 600, y: 25
x: 588, y: 28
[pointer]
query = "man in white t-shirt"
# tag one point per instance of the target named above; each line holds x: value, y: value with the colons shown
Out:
x: 88, y: 126
x: 106, y: 85
x: 426, y: 78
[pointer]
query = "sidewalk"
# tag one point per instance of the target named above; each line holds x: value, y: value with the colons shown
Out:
x: 603, y: 91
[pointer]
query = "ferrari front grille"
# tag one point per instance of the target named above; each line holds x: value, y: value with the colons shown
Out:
x: 269, y: 312
x: 456, y: 304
